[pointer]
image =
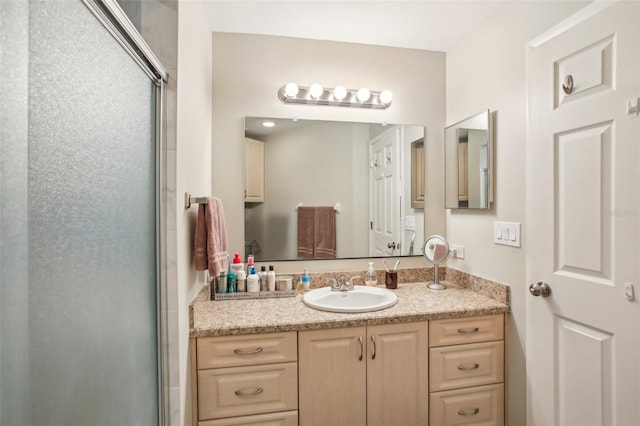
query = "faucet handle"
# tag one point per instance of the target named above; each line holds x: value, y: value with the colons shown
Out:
x: 354, y: 278
x: 334, y: 284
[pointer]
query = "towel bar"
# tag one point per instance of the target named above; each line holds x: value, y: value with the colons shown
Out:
x: 336, y: 207
x: 188, y: 200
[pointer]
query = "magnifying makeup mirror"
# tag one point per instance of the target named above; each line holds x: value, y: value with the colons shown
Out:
x: 436, y: 251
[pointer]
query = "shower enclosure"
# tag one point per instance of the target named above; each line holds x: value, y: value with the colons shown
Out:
x: 80, y: 102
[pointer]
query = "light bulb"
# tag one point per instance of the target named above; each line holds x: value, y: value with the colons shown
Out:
x: 339, y: 93
x: 386, y: 96
x: 290, y: 90
x: 316, y: 90
x: 363, y: 94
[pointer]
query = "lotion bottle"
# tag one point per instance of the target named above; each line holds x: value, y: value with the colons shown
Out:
x: 371, y: 278
x: 271, y: 279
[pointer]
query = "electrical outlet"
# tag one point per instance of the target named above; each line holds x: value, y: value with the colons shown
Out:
x: 457, y: 251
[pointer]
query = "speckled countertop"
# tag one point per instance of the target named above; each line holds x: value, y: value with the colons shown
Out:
x: 415, y: 303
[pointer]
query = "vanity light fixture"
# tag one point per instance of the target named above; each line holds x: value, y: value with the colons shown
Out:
x: 315, y: 94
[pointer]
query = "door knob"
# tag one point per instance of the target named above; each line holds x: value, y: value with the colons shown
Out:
x: 540, y: 289
x: 391, y: 245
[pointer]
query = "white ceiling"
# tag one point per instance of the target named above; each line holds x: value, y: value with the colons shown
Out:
x: 419, y: 24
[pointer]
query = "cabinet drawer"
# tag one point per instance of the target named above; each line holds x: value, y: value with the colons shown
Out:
x: 240, y: 391
x: 466, y: 365
x: 480, y: 406
x: 235, y: 351
x: 288, y: 418
x: 466, y: 330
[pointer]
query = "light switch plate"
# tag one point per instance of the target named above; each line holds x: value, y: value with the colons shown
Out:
x: 410, y: 223
x: 506, y: 233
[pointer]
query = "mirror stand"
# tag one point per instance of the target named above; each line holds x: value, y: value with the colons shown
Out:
x: 436, y: 251
x: 436, y: 284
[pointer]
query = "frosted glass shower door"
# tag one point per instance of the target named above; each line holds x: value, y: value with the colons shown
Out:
x: 78, y: 272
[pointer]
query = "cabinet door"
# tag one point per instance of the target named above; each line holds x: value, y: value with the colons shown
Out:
x: 397, y: 374
x: 254, y: 171
x: 332, y: 373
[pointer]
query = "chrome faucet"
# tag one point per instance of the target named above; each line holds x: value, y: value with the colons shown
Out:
x: 347, y: 286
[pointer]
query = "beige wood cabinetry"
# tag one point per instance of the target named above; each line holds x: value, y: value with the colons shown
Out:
x: 466, y: 371
x: 374, y: 375
x: 246, y: 380
x: 254, y: 169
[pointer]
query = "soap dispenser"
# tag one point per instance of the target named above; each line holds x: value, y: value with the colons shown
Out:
x: 371, y: 278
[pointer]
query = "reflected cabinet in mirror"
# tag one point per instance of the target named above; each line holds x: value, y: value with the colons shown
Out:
x: 468, y: 170
x: 336, y: 190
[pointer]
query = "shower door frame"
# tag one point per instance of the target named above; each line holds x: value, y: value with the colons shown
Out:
x: 113, y: 18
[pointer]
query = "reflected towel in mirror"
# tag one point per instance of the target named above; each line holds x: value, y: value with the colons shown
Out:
x: 316, y: 232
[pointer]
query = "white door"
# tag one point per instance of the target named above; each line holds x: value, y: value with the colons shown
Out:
x: 385, y: 209
x: 583, y: 340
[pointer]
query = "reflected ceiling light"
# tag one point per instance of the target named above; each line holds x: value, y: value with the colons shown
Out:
x: 268, y: 124
x: 363, y: 94
x: 315, y: 94
x: 291, y: 90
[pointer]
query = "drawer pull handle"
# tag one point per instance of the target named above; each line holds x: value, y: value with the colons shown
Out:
x: 361, y: 348
x: 469, y: 413
x: 253, y: 352
x: 254, y: 393
x: 468, y: 330
x: 463, y: 368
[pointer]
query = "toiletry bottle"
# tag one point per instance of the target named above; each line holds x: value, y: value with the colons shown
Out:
x: 371, y: 278
x: 264, y: 285
x: 231, y: 282
x: 237, y: 264
x: 306, y: 281
x: 250, y: 264
x: 241, y: 281
x: 271, y: 279
x: 253, y: 283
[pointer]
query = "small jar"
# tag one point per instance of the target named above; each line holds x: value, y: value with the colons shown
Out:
x: 241, y: 282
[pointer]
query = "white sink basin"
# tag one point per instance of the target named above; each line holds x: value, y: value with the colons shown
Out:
x: 361, y: 299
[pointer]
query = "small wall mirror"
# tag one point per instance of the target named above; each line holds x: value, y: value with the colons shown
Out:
x: 436, y: 251
x: 468, y: 163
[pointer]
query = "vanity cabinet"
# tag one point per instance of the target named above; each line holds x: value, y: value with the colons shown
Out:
x: 373, y: 375
x: 254, y: 169
x: 438, y: 372
x: 466, y: 371
x: 243, y: 380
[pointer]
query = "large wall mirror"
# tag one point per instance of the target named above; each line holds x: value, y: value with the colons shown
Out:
x: 363, y: 171
x: 468, y: 159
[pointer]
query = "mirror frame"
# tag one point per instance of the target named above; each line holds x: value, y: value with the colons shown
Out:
x: 456, y: 176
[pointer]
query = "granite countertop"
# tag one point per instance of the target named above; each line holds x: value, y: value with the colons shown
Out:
x: 415, y: 303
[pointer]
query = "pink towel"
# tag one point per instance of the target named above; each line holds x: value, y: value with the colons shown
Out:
x: 210, y: 240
